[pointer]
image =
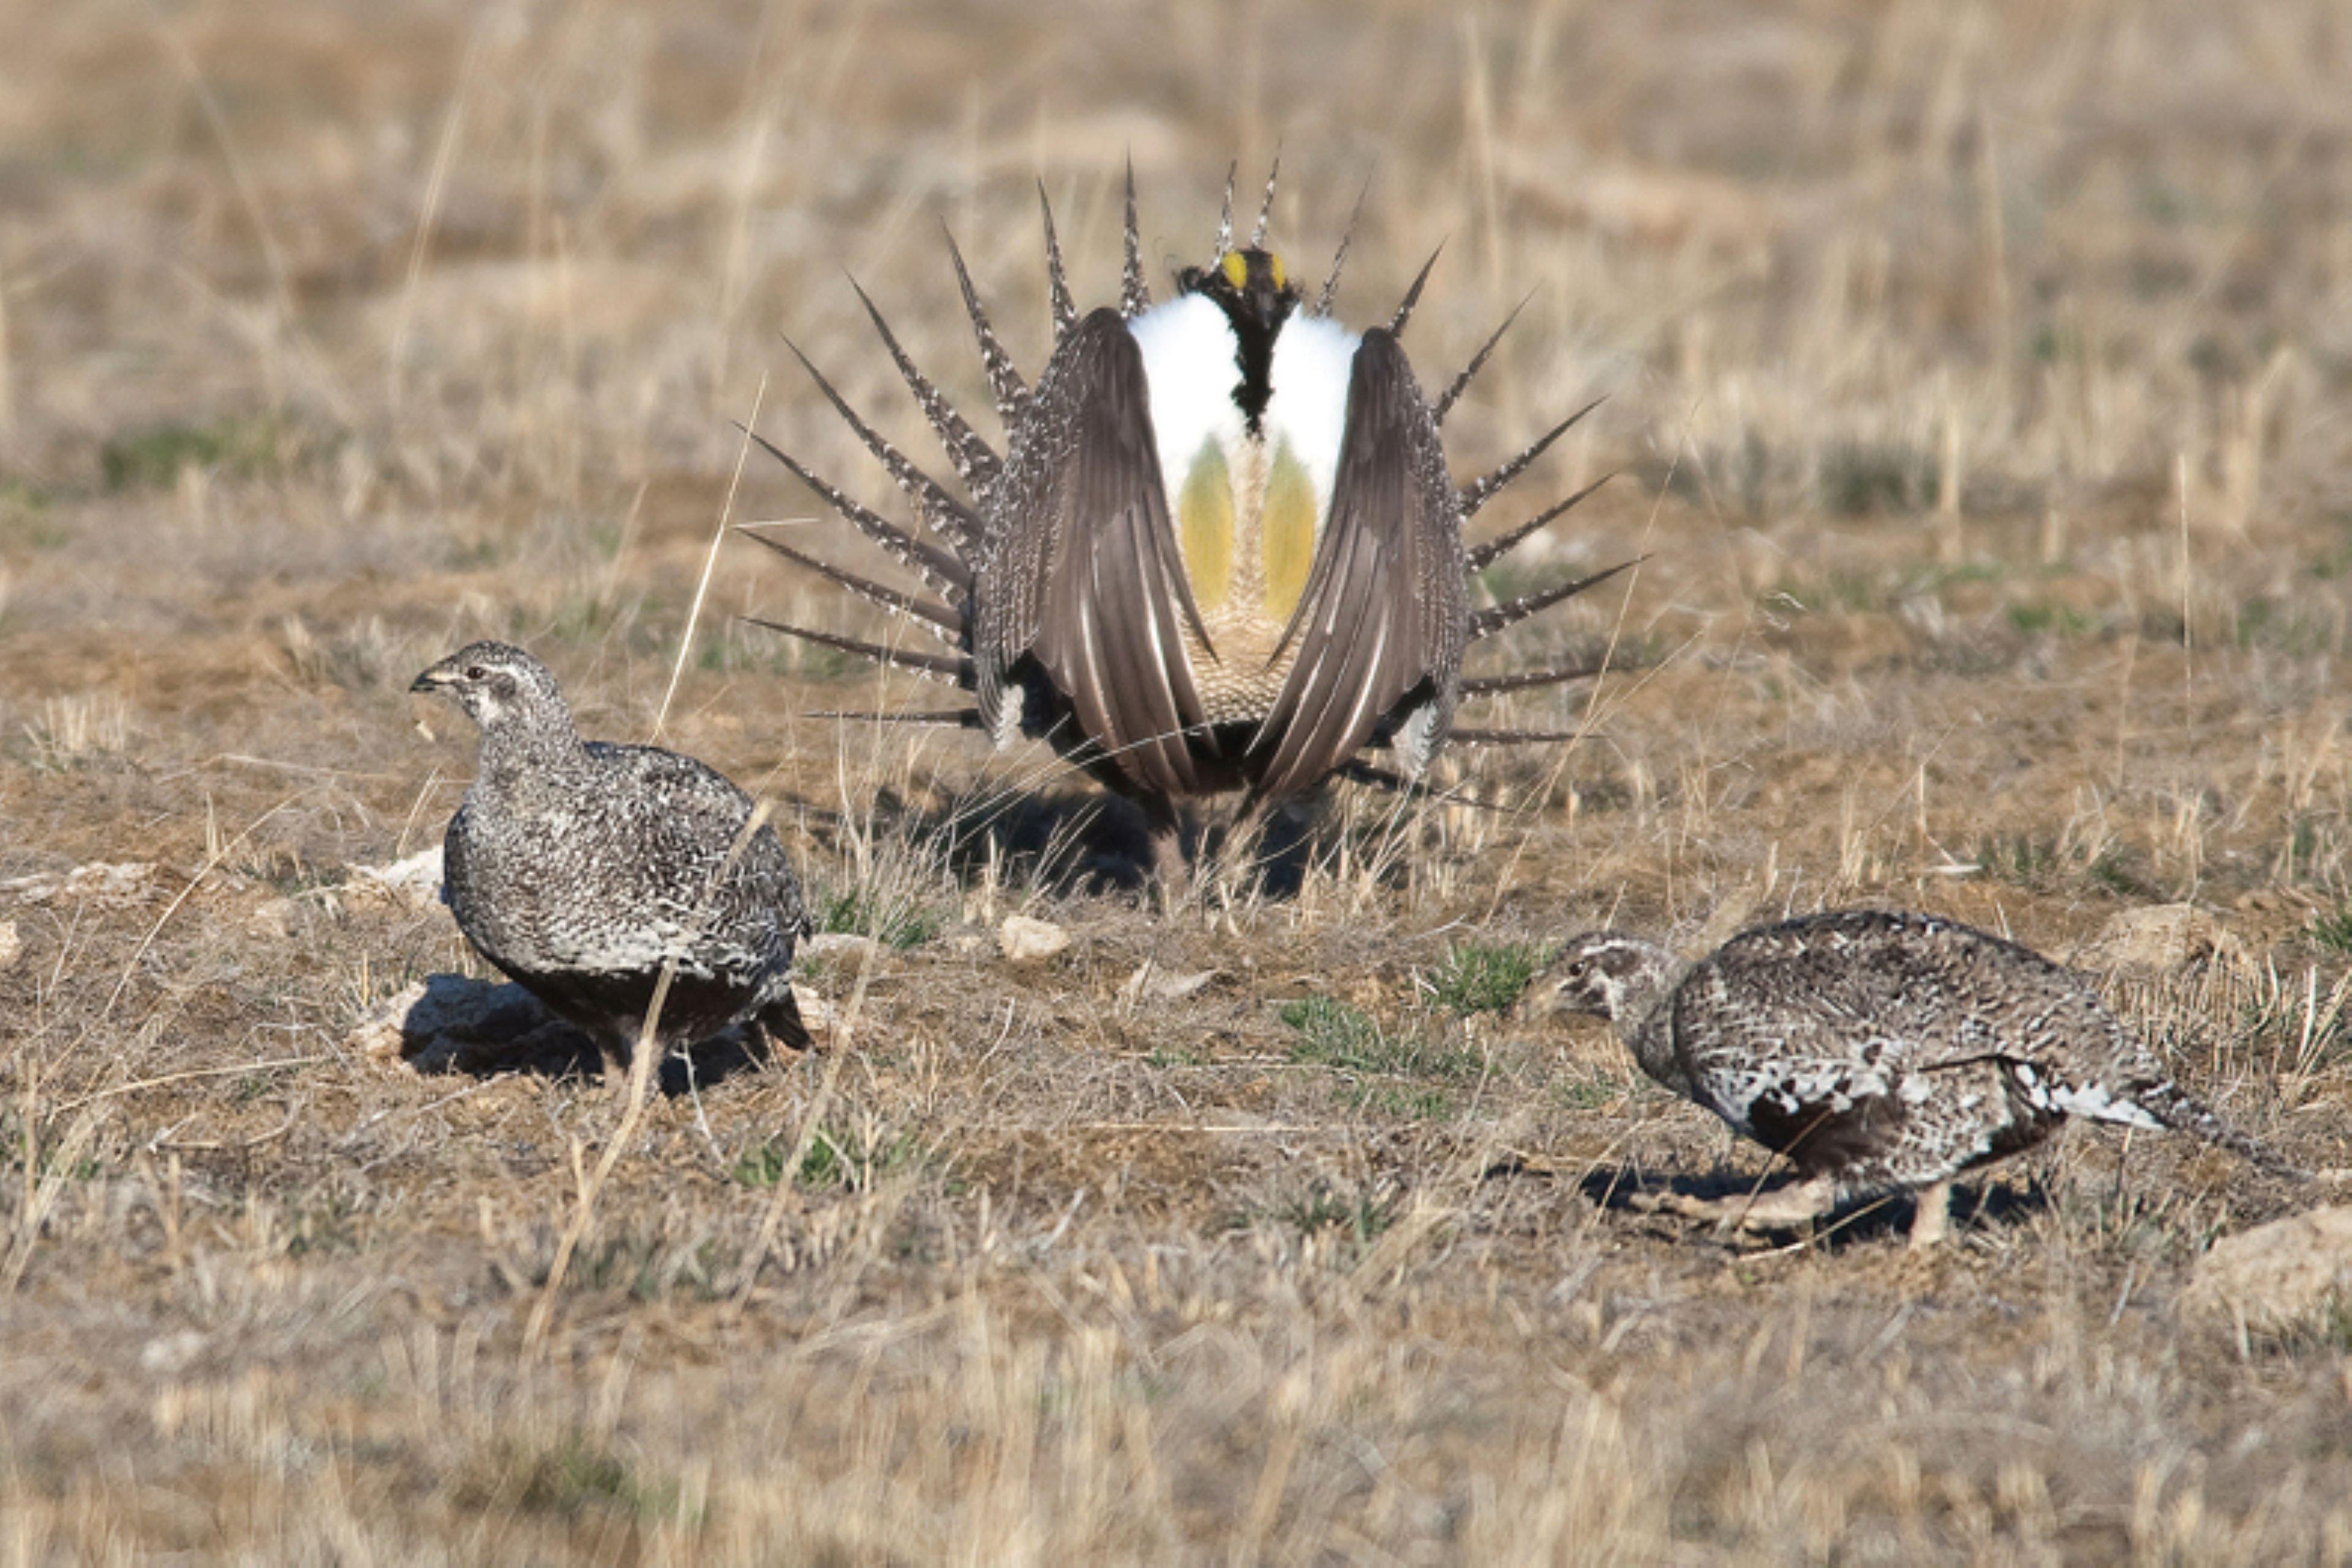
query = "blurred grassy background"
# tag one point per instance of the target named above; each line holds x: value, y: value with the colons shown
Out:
x: 1974, y: 376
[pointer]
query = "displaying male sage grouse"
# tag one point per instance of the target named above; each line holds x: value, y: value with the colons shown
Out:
x: 1876, y: 1050
x: 582, y: 869
x: 1222, y: 550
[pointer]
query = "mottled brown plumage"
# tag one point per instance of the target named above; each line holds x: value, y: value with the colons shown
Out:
x: 1879, y: 1050
x: 582, y: 871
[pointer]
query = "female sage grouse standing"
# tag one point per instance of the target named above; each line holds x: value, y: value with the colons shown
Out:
x: 1877, y: 1050
x: 582, y: 869
x: 1222, y: 551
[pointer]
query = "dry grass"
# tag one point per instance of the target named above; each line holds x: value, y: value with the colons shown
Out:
x: 1975, y: 372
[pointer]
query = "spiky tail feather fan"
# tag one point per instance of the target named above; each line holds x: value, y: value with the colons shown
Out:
x: 953, y: 572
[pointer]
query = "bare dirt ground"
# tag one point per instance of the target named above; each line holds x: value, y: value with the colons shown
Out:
x: 1974, y: 379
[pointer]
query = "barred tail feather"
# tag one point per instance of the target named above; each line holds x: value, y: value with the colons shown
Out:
x: 1412, y: 295
x: 2184, y: 1112
x: 1487, y: 487
x: 1057, y: 279
x: 973, y: 458
x: 1134, y: 293
x: 1005, y: 383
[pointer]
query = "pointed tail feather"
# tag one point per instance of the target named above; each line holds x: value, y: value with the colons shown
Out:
x: 1134, y: 293
x: 1330, y: 291
x: 932, y: 666
x: 1225, y: 213
x: 1412, y: 297
x: 974, y: 459
x: 947, y: 516
x: 1495, y: 685
x: 1466, y: 736
x: 1485, y: 555
x: 942, y: 571
x: 1363, y: 773
x: 1266, y: 207
x: 1057, y: 281
x: 1487, y: 487
x: 1445, y: 404
x: 2184, y: 1112
x: 1486, y: 623
x: 1005, y: 383
x: 921, y: 611
x: 962, y: 718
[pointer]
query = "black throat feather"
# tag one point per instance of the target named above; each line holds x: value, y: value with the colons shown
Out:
x: 1257, y: 307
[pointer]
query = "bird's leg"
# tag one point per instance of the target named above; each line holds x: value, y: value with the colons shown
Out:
x: 1168, y: 868
x: 1928, y: 1220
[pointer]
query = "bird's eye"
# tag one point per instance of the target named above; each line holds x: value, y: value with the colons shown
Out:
x: 476, y: 672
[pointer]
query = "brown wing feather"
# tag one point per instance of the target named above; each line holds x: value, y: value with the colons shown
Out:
x: 1094, y: 588
x: 1383, y: 613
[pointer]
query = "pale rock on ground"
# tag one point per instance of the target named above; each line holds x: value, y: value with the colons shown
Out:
x: 2161, y: 939
x: 844, y: 948
x: 415, y: 881
x: 99, y: 884
x: 1150, y: 982
x: 2276, y: 1277
x: 1024, y: 939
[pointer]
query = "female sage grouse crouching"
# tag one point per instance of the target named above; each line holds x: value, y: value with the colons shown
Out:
x: 1222, y: 549
x: 582, y: 868
x: 1877, y: 1050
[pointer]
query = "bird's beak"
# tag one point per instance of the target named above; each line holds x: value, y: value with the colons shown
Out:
x: 433, y: 679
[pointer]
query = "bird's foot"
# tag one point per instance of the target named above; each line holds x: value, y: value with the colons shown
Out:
x: 1792, y: 1207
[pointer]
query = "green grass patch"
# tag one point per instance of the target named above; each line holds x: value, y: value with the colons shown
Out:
x: 1359, y: 1216
x: 1476, y: 977
x: 2332, y: 928
x: 2055, y: 620
x: 900, y: 922
x: 152, y: 458
x: 1333, y: 1034
x: 834, y: 1161
x: 1400, y: 1104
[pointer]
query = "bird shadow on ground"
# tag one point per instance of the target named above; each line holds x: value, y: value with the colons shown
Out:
x: 485, y: 1029
x: 1632, y: 1191
x: 1073, y: 844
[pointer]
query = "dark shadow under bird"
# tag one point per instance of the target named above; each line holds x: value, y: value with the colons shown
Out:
x: 1877, y: 1050
x: 585, y: 871
x: 1222, y: 550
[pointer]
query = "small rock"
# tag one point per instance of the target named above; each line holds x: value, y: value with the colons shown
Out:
x: 12, y: 945
x: 1150, y: 982
x: 844, y: 948
x: 2277, y: 1275
x: 1023, y: 940
x: 171, y: 1353
x: 827, y: 1025
x: 2162, y: 938
x: 415, y: 880
x: 99, y: 883
x: 273, y: 919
